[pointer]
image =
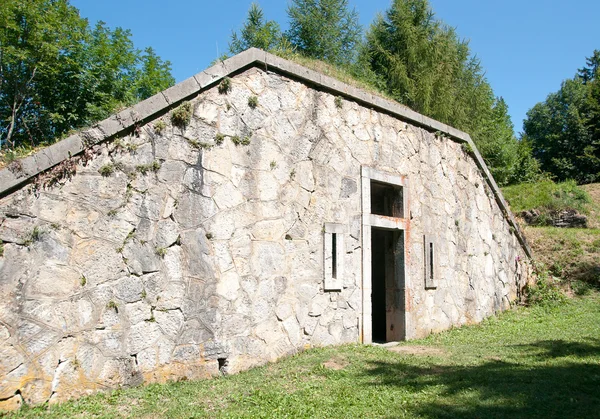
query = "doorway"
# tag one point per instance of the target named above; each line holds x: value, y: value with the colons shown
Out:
x: 388, y: 285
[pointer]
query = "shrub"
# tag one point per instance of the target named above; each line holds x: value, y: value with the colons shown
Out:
x: 545, y: 291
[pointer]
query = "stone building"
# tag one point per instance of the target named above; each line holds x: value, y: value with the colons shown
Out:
x: 249, y: 212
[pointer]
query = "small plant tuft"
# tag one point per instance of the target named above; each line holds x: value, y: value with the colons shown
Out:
x: 159, y: 126
x: 35, y: 235
x: 198, y: 144
x: 83, y: 280
x: 1, y: 248
x: 121, y: 145
x: 292, y: 174
x: 338, y: 102
x: 253, y: 102
x: 225, y: 86
x: 76, y: 364
x: 219, y: 138
x: 150, y: 167
x: 161, y: 251
x: 182, y: 115
x: 240, y: 141
x: 273, y: 164
x: 112, y: 306
x: 107, y: 170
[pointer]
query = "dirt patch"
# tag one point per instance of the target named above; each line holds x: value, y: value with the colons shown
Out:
x: 335, y: 364
x: 417, y: 350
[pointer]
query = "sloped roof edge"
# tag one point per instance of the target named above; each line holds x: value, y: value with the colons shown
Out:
x: 129, y: 118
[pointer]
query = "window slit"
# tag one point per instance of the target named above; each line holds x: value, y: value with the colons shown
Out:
x: 431, y: 261
x: 334, y: 255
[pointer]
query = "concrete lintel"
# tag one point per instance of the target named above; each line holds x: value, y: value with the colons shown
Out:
x: 335, y: 228
x: 378, y: 175
x: 388, y: 223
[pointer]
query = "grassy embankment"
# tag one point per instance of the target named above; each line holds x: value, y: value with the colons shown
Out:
x: 571, y: 254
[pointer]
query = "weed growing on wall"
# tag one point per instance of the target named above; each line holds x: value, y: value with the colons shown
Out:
x: 150, y: 167
x: 159, y: 126
x: 240, y: 141
x: 225, y: 86
x: 107, y: 170
x: 182, y: 115
x: 253, y: 102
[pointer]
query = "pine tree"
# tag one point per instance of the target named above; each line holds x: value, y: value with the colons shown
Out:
x: 324, y: 29
x: 422, y: 63
x: 257, y: 33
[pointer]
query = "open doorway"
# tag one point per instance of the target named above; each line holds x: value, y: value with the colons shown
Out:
x: 388, y: 285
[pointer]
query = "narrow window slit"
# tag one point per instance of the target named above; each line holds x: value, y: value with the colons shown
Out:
x: 334, y: 255
x: 431, y: 261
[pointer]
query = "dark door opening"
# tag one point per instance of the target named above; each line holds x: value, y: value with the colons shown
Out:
x: 387, y: 283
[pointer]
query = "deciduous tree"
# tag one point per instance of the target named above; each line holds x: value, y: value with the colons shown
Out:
x: 564, y: 130
x: 57, y: 74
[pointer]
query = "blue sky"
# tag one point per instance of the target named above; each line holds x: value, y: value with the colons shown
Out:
x: 527, y: 47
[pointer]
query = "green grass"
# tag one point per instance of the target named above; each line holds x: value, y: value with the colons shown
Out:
x: 542, y: 361
x: 547, y: 196
x: 572, y: 254
x: 569, y: 253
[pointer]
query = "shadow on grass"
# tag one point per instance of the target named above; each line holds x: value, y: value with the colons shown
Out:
x: 543, y: 386
x: 559, y: 349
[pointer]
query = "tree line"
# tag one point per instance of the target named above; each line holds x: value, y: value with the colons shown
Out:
x: 564, y: 130
x: 421, y: 62
x: 59, y: 73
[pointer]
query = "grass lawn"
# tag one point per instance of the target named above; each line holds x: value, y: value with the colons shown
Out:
x: 542, y: 361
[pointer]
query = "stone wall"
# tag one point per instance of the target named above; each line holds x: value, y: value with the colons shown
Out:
x: 188, y: 251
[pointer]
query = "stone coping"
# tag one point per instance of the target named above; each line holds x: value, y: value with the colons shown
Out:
x: 128, y: 119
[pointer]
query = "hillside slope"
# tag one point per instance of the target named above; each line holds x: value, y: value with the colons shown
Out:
x: 572, y: 254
